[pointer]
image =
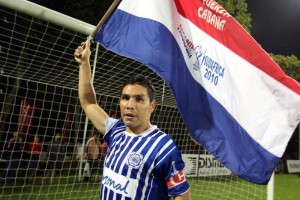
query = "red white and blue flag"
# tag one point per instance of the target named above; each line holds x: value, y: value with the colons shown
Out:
x: 235, y: 100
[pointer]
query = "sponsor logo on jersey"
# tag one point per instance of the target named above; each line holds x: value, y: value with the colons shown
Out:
x: 118, y: 183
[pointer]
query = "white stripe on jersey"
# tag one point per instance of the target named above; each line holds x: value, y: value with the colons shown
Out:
x: 130, y: 151
x: 133, y: 147
x: 115, y: 159
x: 145, y: 157
x: 160, y: 152
x: 152, y: 165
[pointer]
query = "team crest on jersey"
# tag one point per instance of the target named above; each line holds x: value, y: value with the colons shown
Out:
x: 135, y: 160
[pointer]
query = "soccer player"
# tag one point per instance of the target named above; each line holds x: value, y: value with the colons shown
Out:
x: 142, y: 162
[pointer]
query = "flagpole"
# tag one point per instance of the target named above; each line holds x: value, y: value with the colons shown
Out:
x: 105, y: 17
x: 270, y: 188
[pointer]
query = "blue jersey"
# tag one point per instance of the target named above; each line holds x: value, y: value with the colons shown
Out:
x: 144, y: 166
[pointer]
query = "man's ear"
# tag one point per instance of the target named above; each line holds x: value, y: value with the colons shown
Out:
x: 153, y: 106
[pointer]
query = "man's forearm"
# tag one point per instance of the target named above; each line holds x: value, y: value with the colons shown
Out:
x: 185, y: 196
x: 86, y: 90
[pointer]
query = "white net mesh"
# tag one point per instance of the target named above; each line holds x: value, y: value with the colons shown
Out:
x: 38, y: 96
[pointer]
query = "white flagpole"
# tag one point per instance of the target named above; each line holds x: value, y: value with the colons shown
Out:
x: 270, y: 188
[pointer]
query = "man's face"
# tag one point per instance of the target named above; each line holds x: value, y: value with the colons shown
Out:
x: 136, y: 108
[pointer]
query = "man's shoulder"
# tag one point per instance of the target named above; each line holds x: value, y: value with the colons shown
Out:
x: 159, y: 133
x: 117, y: 126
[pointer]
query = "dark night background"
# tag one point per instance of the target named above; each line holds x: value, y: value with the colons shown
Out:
x: 276, y: 25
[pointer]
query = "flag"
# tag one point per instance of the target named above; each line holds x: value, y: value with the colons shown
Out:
x: 235, y: 100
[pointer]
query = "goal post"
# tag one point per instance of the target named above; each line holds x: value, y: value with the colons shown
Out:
x: 38, y: 69
x: 51, y: 16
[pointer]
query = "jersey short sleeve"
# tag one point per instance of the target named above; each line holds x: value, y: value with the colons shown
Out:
x: 110, y: 122
x: 171, y: 168
x: 110, y: 127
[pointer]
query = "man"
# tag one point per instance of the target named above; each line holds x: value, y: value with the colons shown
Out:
x: 34, y: 150
x: 56, y: 153
x: 93, y: 149
x: 14, y: 148
x: 142, y: 162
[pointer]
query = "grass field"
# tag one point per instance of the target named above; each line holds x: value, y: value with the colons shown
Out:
x: 287, y: 187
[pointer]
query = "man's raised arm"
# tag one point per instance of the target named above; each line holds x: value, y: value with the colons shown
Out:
x: 86, y: 92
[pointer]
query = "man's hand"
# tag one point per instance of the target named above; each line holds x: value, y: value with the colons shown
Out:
x: 83, y: 52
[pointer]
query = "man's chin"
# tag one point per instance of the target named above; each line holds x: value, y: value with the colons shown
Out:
x: 128, y: 123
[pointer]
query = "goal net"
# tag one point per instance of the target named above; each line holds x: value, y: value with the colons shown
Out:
x: 39, y: 98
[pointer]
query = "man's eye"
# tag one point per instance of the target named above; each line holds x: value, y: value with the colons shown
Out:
x: 124, y: 97
x: 138, y: 99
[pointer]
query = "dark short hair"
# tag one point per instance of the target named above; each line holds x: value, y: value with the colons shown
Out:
x: 143, y: 81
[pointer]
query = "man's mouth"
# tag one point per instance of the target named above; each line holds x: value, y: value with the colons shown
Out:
x: 129, y: 116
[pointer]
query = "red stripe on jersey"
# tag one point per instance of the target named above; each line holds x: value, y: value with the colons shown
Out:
x: 176, y: 179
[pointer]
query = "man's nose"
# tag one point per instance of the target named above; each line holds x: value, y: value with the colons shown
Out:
x: 130, y: 104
